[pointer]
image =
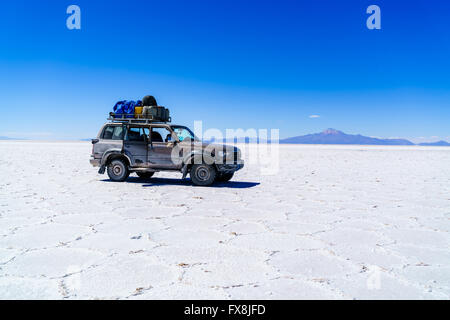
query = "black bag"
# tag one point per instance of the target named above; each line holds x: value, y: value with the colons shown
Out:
x: 149, y: 101
x: 156, y: 113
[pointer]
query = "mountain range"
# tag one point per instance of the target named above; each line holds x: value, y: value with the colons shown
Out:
x: 328, y: 136
x: 333, y: 136
x: 439, y: 143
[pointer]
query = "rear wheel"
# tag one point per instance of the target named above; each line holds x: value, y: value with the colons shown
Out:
x: 145, y: 175
x: 224, y: 177
x: 118, y: 171
x: 202, y: 174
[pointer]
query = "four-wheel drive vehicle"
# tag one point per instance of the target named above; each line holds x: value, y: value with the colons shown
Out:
x: 148, y: 147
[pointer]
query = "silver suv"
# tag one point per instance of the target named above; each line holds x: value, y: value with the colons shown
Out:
x: 145, y: 148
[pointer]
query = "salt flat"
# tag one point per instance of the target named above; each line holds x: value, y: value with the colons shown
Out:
x: 336, y: 222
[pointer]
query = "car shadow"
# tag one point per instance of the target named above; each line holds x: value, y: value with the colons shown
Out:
x: 154, y: 182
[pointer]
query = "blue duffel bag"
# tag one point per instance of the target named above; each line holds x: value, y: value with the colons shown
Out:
x: 118, y: 109
x: 125, y: 108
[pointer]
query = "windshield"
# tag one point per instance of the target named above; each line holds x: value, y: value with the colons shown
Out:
x: 184, y: 133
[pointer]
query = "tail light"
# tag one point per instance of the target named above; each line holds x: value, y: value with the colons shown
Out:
x: 94, y: 141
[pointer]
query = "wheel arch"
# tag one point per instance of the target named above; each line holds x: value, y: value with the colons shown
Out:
x: 199, y: 156
x: 114, y: 155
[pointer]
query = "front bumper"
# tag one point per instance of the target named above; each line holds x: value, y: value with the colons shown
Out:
x: 226, y: 167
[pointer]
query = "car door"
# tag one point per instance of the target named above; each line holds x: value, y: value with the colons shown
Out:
x: 161, y: 147
x: 135, y: 145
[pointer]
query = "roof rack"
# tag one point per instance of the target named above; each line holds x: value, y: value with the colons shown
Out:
x: 137, y: 120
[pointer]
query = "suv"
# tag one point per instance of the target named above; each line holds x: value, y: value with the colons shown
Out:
x: 148, y: 147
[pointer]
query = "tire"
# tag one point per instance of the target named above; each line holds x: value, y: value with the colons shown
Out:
x: 145, y: 175
x: 224, y: 177
x: 202, y: 174
x: 118, y: 171
x: 149, y: 101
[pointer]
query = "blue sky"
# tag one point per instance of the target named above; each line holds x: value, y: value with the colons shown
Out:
x: 233, y: 64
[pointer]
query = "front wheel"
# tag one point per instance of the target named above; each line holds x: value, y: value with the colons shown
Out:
x: 224, y: 177
x: 118, y: 171
x: 202, y: 174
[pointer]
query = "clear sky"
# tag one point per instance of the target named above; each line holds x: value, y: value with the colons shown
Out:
x: 233, y: 64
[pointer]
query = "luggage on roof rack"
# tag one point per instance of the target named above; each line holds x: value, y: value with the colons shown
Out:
x: 146, y: 110
x: 149, y: 101
x: 125, y: 108
x: 158, y: 113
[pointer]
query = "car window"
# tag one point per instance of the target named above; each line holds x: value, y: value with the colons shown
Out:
x: 183, y: 133
x: 137, y: 134
x: 161, y: 134
x: 118, y: 133
x: 107, y: 134
x: 113, y: 133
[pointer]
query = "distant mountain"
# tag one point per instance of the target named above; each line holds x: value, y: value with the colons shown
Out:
x: 333, y: 136
x: 439, y: 144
